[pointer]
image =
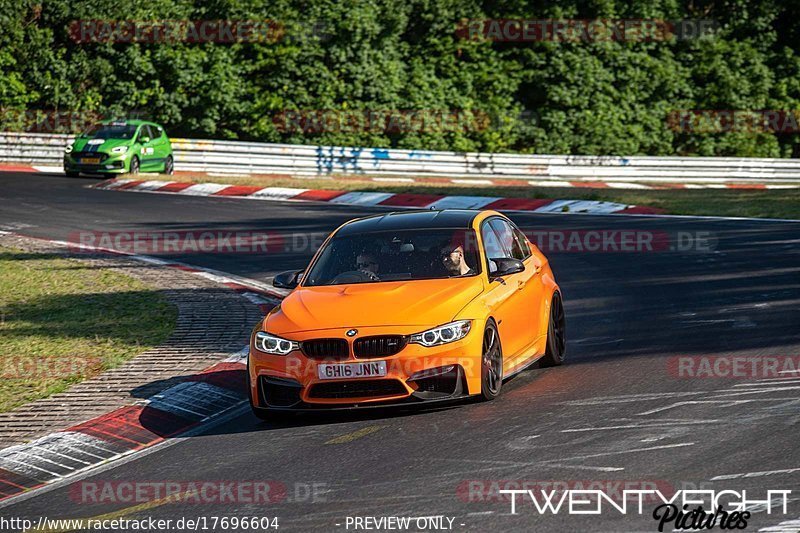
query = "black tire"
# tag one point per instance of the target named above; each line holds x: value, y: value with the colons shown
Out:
x: 556, y: 334
x: 491, y: 362
x: 71, y: 174
x: 133, y: 168
x: 169, y: 166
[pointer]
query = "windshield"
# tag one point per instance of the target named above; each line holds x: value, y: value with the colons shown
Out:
x: 396, y: 255
x: 110, y: 131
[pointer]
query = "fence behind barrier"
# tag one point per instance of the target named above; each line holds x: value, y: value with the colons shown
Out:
x: 234, y: 157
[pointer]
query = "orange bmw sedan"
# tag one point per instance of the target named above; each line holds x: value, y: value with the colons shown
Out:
x: 404, y: 308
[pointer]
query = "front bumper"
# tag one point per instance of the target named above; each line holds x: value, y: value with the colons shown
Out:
x: 109, y: 164
x: 292, y: 382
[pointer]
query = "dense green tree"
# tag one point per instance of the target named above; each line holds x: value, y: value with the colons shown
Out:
x: 385, y: 73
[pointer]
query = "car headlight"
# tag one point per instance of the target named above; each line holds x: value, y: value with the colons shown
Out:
x: 68, y: 149
x: 443, y: 334
x: 119, y: 149
x: 275, y: 345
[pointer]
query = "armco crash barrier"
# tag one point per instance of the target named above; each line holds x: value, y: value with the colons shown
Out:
x: 261, y: 158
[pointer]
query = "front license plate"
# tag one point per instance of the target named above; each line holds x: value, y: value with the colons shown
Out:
x: 352, y: 370
x: 90, y: 160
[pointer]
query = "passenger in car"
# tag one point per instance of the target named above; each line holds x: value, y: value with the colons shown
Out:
x: 454, y: 261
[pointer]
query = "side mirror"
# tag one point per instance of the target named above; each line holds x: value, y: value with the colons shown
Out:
x: 144, y: 140
x: 287, y: 280
x: 506, y: 266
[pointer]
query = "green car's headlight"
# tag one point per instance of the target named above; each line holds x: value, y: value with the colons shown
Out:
x: 68, y: 149
x: 275, y: 345
x: 119, y: 149
x: 442, y: 334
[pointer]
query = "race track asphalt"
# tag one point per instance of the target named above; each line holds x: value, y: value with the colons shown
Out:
x: 615, y: 412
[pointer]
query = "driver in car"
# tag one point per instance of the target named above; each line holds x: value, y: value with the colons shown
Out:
x: 367, y: 263
x: 454, y: 261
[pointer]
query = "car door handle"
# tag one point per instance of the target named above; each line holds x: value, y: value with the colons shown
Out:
x: 520, y: 285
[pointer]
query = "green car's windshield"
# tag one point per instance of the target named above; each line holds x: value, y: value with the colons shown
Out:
x: 110, y: 131
x: 396, y: 255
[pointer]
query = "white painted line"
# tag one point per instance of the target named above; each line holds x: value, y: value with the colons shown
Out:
x: 151, y: 185
x: 202, y: 189
x: 755, y: 474
x: 721, y: 403
x: 82, y: 441
x: 38, y: 455
x: 640, y: 426
x: 49, y: 453
x: 130, y: 455
x: 463, y: 202
x: 597, y: 207
x: 239, y: 357
x: 394, y: 180
x: 195, y: 400
x: 556, y: 207
x: 48, y: 168
x: 754, y: 391
x: 621, y: 185
x: 779, y: 381
x: 472, y: 182
x: 277, y: 193
x: 581, y: 206
x: 14, y: 464
x: 151, y: 260
x: 788, y: 526
x: 256, y: 298
x: 550, y: 184
x: 587, y: 467
x: 117, y: 183
x: 789, y: 371
x: 361, y: 198
x: 632, y: 450
x: 632, y: 398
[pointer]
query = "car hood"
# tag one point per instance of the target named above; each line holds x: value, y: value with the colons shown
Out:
x: 395, y: 303
x: 90, y: 145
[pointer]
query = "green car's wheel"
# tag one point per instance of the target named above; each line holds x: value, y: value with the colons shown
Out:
x: 134, y: 168
x: 169, y: 166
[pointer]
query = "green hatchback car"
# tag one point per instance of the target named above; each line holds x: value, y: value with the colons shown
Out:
x: 120, y: 147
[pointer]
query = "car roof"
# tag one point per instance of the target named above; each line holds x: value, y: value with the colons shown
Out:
x: 131, y: 122
x: 417, y: 219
